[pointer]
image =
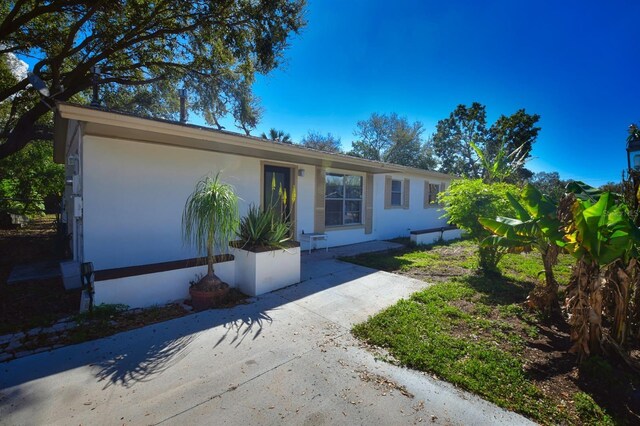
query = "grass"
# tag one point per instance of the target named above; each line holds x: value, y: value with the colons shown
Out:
x: 471, y: 330
x: 425, y: 333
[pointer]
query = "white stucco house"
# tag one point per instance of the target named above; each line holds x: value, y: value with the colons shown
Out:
x: 128, y: 179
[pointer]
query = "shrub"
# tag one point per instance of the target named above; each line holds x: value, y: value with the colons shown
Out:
x: 466, y: 200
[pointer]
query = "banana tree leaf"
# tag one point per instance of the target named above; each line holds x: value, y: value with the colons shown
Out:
x: 478, y: 151
x: 498, y: 241
x: 584, y: 191
x: 521, y: 212
x: 511, y: 228
x: 538, y: 204
x: 595, y: 219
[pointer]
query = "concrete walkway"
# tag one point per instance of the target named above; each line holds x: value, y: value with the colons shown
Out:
x: 287, y: 358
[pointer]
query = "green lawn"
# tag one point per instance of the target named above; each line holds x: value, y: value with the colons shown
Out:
x: 471, y: 330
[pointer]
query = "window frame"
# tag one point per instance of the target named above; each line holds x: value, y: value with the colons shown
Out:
x: 401, y: 193
x: 345, y: 199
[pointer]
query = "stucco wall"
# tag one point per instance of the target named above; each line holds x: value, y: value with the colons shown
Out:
x: 395, y: 222
x: 305, y: 190
x: 134, y: 194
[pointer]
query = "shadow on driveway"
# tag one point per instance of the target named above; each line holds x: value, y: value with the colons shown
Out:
x: 139, y: 355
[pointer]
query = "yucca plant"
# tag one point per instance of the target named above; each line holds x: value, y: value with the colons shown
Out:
x: 209, y: 221
x: 536, y: 225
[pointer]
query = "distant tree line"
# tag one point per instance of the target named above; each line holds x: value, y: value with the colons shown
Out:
x: 394, y: 139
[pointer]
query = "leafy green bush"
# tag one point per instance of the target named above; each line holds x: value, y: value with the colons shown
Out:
x: 28, y: 178
x: 466, y: 200
x: 262, y: 228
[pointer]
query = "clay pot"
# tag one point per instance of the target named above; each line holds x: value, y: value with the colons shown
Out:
x: 207, y: 299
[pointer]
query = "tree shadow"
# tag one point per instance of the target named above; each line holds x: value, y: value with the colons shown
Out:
x: 243, y: 327
x: 141, y: 364
x: 496, y: 289
x: 142, y: 354
x: 169, y: 345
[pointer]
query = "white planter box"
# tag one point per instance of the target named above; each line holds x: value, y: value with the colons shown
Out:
x: 425, y: 239
x: 452, y: 234
x: 434, y: 235
x: 259, y: 273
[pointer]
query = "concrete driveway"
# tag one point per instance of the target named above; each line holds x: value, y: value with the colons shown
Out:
x: 287, y: 358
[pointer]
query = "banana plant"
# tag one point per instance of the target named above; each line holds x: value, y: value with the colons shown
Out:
x: 536, y: 225
x: 600, y: 235
x: 504, y: 164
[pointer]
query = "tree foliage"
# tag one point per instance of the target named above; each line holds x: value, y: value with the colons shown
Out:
x: 389, y: 138
x: 516, y: 132
x: 145, y: 50
x: 453, y: 137
x: 466, y: 200
x: 316, y: 140
x: 29, y: 178
x: 277, y: 136
x: 550, y: 184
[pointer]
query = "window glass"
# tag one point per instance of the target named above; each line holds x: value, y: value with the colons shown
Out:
x: 335, y: 186
x: 353, y: 186
x: 343, y: 199
x: 433, y: 193
x: 396, y: 192
x: 352, y: 211
x: 333, y: 212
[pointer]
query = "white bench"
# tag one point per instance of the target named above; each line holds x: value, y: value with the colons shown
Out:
x: 315, y: 236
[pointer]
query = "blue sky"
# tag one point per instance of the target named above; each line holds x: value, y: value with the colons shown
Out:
x: 576, y: 63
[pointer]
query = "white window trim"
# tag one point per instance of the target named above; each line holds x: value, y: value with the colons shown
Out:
x: 401, y: 183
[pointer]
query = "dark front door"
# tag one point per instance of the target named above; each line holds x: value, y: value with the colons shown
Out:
x: 277, y: 188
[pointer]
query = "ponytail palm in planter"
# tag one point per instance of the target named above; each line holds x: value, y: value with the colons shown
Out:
x: 209, y: 221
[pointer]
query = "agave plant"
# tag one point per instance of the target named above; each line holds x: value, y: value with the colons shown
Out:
x: 536, y: 225
x: 209, y: 221
x: 269, y: 226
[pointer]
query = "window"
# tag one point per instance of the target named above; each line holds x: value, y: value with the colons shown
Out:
x: 434, y: 188
x: 396, y: 193
x: 343, y: 200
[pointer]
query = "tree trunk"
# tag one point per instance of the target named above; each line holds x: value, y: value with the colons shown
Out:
x: 545, y: 298
x: 23, y: 132
x: 584, y: 306
x: 210, y: 260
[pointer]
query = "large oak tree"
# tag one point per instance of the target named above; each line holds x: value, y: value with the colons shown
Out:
x: 146, y: 50
x: 455, y: 154
x: 389, y: 138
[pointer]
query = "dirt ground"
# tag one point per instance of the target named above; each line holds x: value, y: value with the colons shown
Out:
x: 546, y: 356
